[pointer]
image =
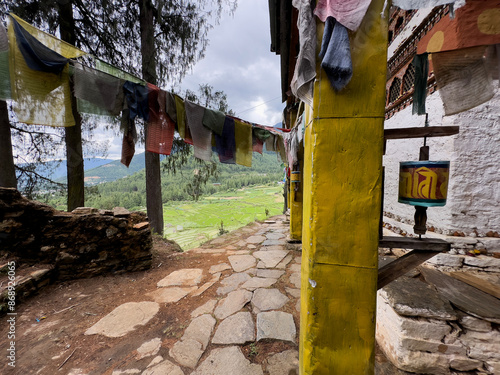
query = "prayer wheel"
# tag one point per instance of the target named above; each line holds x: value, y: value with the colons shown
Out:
x: 423, y: 183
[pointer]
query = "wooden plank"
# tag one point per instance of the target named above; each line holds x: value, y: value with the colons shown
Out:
x: 401, y: 266
x: 467, y: 298
x: 420, y: 132
x: 429, y: 244
x: 477, y: 282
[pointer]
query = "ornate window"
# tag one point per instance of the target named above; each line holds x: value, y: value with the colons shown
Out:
x: 409, y: 78
x: 394, y: 90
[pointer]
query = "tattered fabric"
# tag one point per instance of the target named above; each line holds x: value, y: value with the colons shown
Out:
x: 214, y: 120
x: 336, y: 54
x: 5, y: 92
x: 171, y: 106
x: 129, y: 137
x: 38, y: 56
x: 349, y: 13
x: 421, y: 64
x: 271, y: 143
x: 243, y: 139
x: 225, y: 143
x: 202, y: 136
x: 302, y: 84
x: 39, y: 97
x: 160, y: 127
x: 181, y: 116
x: 101, y: 93
x: 137, y: 100
x: 259, y: 136
x: 462, y: 78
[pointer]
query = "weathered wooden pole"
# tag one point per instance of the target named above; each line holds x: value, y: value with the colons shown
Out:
x: 342, y: 192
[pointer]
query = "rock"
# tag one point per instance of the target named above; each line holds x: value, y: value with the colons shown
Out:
x: 447, y: 260
x: 184, y: 277
x: 165, y: 367
x: 465, y: 364
x: 295, y: 279
x: 149, y: 348
x: 270, y: 258
x: 282, y: 265
x: 121, y: 212
x: 275, y: 274
x: 297, y: 306
x: 179, y: 228
x: 298, y: 260
x: 471, y: 323
x: 207, y: 308
x: 258, y: 282
x: 241, y: 263
x: 219, y: 268
x: 412, y: 297
x: 155, y: 361
x: 284, y: 363
x: 140, y: 226
x: 124, y: 319
x: 200, y: 329
x: 207, y: 285
x: 125, y: 372
x: 295, y: 268
x: 187, y: 352
x: 232, y: 282
x: 236, y: 329
x: 293, y: 292
x: 274, y: 236
x: 268, y: 299
x: 273, y: 242
x: 493, y: 367
x: 251, y: 247
x: 276, y: 325
x: 85, y: 211
x: 234, y: 302
x: 421, y: 362
x: 482, y: 261
x: 255, y: 239
x: 169, y: 295
x: 227, y: 361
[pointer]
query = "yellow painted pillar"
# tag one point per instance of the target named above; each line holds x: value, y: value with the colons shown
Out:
x: 342, y: 192
x: 296, y: 197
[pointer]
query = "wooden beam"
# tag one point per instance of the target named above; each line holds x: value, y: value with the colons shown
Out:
x: 400, y: 266
x: 420, y: 132
x: 423, y: 244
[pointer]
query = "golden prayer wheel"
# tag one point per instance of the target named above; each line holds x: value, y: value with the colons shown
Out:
x: 423, y: 183
x: 295, y: 176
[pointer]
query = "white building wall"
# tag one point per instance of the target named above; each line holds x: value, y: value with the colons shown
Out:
x: 473, y: 204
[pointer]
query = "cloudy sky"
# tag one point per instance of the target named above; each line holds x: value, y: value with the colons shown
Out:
x: 239, y: 62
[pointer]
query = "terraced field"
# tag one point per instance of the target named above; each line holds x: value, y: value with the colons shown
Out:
x: 192, y: 223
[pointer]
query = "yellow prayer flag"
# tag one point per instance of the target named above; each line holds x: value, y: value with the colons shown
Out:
x: 181, y: 116
x: 243, y: 139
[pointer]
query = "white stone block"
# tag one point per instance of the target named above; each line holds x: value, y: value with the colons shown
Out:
x: 463, y: 363
x: 447, y: 260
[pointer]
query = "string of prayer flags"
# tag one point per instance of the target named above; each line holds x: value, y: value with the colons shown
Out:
x: 214, y: 120
x: 243, y: 141
x: 5, y: 92
x: 225, y: 143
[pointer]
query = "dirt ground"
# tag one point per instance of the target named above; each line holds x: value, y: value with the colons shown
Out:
x: 50, y: 326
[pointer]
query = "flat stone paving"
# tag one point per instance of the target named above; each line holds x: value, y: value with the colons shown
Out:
x: 247, y: 307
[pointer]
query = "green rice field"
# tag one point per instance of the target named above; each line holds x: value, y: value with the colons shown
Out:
x: 192, y: 223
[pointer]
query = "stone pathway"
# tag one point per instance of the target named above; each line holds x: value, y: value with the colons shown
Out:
x: 257, y: 286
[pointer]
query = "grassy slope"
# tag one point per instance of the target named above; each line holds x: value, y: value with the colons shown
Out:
x: 201, y: 220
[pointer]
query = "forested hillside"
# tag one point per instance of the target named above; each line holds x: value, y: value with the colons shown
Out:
x: 130, y: 191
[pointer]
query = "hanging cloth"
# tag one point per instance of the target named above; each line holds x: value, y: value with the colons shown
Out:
x: 302, y: 84
x: 160, y: 127
x: 243, y: 139
x: 259, y: 136
x: 280, y: 147
x: 104, y: 67
x: 462, y: 78
x: 171, y: 106
x: 419, y: 4
x: 336, y: 54
x: 349, y: 13
x: 270, y: 143
x: 40, y: 97
x: 225, y: 143
x: 202, y: 136
x: 421, y: 64
x: 137, y: 100
x: 129, y: 137
x: 5, y: 92
x: 214, y: 120
x: 181, y: 116
x: 97, y: 93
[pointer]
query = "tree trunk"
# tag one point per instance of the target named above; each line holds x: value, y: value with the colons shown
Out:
x: 7, y: 169
x: 73, y: 134
x: 153, y: 178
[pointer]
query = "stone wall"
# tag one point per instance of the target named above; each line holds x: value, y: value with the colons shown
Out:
x: 85, y: 243
x: 473, y: 194
x: 420, y: 331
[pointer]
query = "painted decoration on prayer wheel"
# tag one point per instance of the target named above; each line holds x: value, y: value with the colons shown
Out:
x: 295, y: 176
x: 423, y: 183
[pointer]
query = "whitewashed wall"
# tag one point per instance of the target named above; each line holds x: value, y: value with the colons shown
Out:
x: 474, y: 191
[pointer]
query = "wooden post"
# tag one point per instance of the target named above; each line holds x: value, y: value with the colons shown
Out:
x: 342, y: 191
